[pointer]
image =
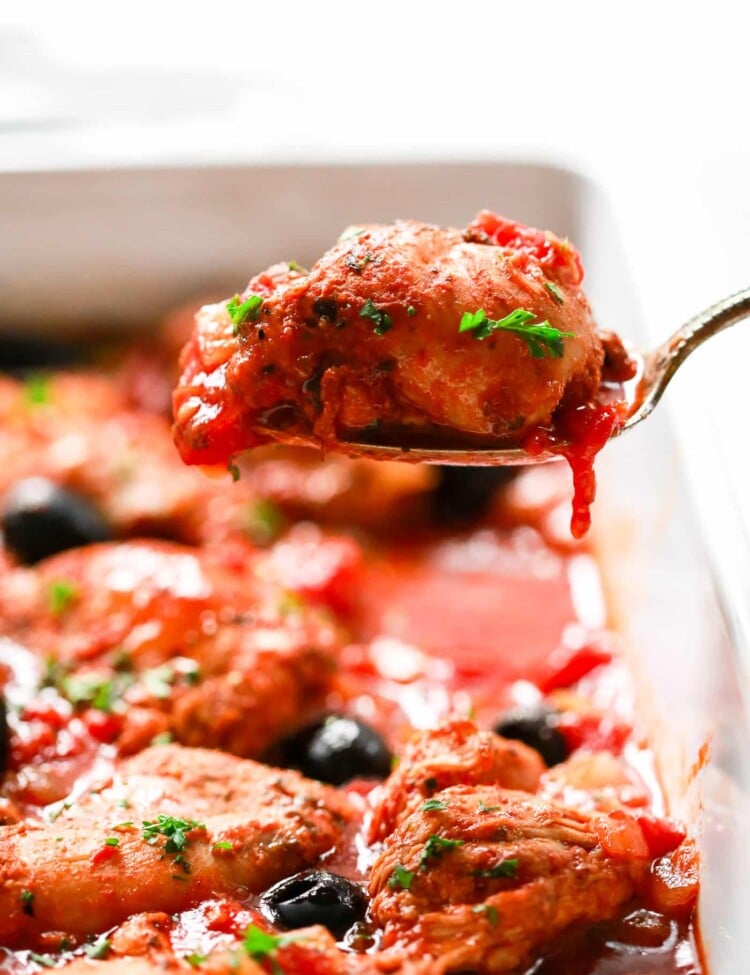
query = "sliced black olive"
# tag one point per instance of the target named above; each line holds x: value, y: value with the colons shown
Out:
x: 4, y: 739
x: 536, y: 726
x: 463, y: 494
x: 40, y: 518
x: 314, y: 897
x: 336, y: 750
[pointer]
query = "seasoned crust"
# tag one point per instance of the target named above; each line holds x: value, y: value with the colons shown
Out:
x: 319, y: 361
x: 268, y: 823
x: 483, y: 879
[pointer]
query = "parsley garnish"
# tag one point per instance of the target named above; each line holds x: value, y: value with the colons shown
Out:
x: 194, y: 959
x: 542, y: 339
x: 401, y: 877
x: 506, y: 868
x: 61, y: 594
x: 435, y: 847
x: 99, y: 949
x: 175, y: 830
x: 489, y: 911
x: 111, y: 841
x: 487, y: 809
x: 47, y: 961
x: 36, y: 389
x: 265, y: 522
x: 244, y: 311
x: 233, y: 469
x: 555, y: 292
x: 102, y: 695
x: 294, y: 266
x: 223, y: 845
x: 411, y: 311
x: 433, y: 805
x: 357, y: 265
x: 163, y: 738
x: 27, y: 902
x: 382, y: 320
x: 260, y: 945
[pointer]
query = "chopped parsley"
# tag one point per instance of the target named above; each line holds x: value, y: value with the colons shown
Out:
x: 233, y: 469
x: 265, y: 522
x: 411, y: 311
x: 244, y: 311
x: 555, y: 292
x: 111, y: 841
x: 506, y: 868
x: 175, y: 830
x: 163, y: 738
x: 46, y: 961
x: 99, y: 949
x: 101, y: 694
x: 61, y: 594
x: 294, y: 266
x: 489, y: 911
x: 542, y: 339
x: 261, y: 946
x: 27, y: 902
x: 435, y: 847
x: 401, y: 877
x: 357, y: 264
x: 487, y: 809
x: 36, y: 389
x: 194, y: 959
x: 223, y: 845
x: 433, y: 805
x: 381, y: 319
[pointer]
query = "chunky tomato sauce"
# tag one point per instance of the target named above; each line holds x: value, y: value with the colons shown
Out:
x: 432, y: 621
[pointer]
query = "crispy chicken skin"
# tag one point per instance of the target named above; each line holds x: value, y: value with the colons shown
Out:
x: 456, y: 753
x: 492, y: 877
x: 245, y: 667
x: 275, y: 822
x: 317, y: 361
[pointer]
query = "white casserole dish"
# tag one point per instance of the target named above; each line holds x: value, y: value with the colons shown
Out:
x: 115, y: 249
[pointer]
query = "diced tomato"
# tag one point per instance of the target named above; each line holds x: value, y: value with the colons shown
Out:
x: 594, y: 731
x: 621, y: 836
x: 102, y: 856
x: 661, y: 833
x: 546, y: 248
x: 102, y: 726
x: 674, y: 881
x: 568, y: 665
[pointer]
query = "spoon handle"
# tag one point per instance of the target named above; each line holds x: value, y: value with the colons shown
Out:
x: 661, y: 364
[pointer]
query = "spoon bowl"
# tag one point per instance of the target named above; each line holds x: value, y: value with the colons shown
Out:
x: 641, y: 395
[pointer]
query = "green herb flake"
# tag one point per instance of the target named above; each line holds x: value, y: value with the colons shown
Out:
x: 61, y: 594
x: 233, y: 469
x: 111, y: 841
x: 46, y: 961
x: 541, y: 339
x: 175, y: 831
x: 163, y: 738
x: 489, y: 911
x: 27, y: 902
x: 36, y: 389
x: 102, y: 694
x: 294, y: 266
x: 260, y: 945
x: 194, y: 959
x: 244, y: 311
x: 265, y: 522
x: 435, y: 847
x: 356, y: 263
x: 506, y: 868
x: 411, y: 311
x: 99, y: 949
x: 401, y: 877
x: 434, y: 805
x: 158, y: 681
x: 123, y: 826
x: 223, y: 845
x: 381, y: 319
x: 555, y: 292
x: 487, y: 809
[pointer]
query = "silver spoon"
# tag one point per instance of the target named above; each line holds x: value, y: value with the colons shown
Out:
x: 642, y: 393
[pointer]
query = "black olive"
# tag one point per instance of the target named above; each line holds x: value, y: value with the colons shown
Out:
x: 19, y: 353
x: 40, y: 518
x: 314, y: 897
x: 463, y: 494
x: 536, y: 726
x: 336, y: 750
x: 4, y: 740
